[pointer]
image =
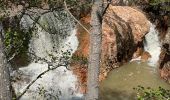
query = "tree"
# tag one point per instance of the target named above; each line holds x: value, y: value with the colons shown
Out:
x: 5, y: 90
x: 95, y: 41
x: 95, y: 50
x: 22, y: 7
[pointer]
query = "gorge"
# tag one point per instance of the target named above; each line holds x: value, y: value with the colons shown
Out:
x: 53, y: 61
x: 135, y: 73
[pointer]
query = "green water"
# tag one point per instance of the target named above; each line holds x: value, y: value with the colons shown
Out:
x: 120, y: 82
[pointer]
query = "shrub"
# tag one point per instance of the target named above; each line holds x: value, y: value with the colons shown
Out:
x: 152, y: 94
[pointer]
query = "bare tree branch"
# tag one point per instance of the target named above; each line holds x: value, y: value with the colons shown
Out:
x: 75, y: 18
x: 41, y: 74
x: 50, y: 64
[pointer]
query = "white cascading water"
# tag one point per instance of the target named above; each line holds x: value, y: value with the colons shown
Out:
x: 59, y: 83
x: 152, y: 45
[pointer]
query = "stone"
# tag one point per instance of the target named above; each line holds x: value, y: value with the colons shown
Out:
x: 145, y: 56
x: 164, y: 61
x: 123, y: 28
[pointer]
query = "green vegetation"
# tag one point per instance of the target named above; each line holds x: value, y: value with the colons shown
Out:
x: 152, y: 94
x: 155, y: 2
x: 16, y: 39
x: 163, y: 4
x: 80, y: 59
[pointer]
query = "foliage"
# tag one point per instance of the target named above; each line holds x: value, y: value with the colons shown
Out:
x: 54, y: 62
x: 79, y: 8
x: 49, y: 95
x: 152, y: 94
x: 4, y: 4
x: 160, y: 4
x: 16, y: 40
x: 81, y: 4
x: 154, y: 2
x: 55, y: 3
x: 8, y: 3
x: 80, y: 59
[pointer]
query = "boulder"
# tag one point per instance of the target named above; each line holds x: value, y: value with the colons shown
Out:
x: 145, y: 56
x: 123, y: 29
x: 164, y: 61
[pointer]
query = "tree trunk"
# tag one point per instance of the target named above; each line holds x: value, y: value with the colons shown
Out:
x: 95, y: 51
x: 5, y: 93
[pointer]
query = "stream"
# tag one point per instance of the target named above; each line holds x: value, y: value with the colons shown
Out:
x: 120, y: 82
x: 62, y: 84
x: 56, y: 84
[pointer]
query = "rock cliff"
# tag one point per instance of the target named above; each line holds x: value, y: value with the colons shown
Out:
x: 165, y: 58
x: 123, y: 31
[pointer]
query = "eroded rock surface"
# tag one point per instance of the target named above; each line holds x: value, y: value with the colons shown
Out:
x: 165, y: 58
x: 123, y: 31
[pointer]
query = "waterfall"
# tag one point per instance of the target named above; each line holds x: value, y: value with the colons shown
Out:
x: 152, y: 45
x: 59, y: 83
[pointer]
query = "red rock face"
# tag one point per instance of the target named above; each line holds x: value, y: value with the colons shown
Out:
x: 145, y: 56
x: 80, y: 71
x: 83, y: 38
x: 138, y: 52
x: 123, y: 28
x: 165, y: 67
x: 165, y: 72
x: 134, y: 17
x: 164, y: 61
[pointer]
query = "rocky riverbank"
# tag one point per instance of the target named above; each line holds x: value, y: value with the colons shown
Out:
x: 123, y: 33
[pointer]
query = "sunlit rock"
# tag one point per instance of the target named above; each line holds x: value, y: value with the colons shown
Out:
x: 123, y: 28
